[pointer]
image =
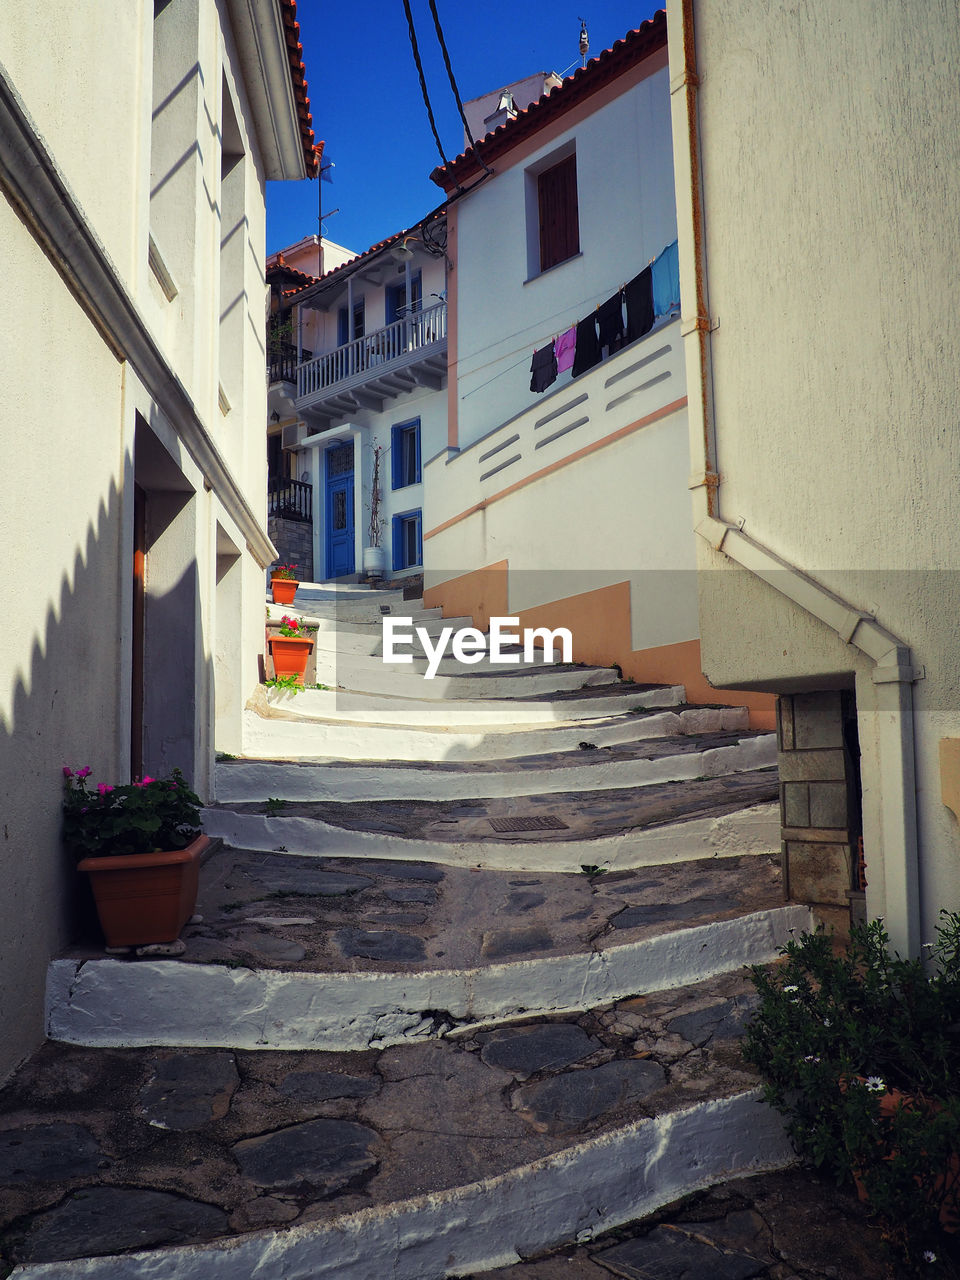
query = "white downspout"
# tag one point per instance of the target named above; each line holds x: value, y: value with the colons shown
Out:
x: 892, y: 724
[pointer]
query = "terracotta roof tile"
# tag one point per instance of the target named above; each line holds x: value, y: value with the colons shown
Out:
x: 280, y: 272
x: 312, y: 151
x: 383, y: 244
x: 636, y: 45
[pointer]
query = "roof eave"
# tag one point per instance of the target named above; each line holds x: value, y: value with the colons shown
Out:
x: 265, y: 67
x: 649, y: 38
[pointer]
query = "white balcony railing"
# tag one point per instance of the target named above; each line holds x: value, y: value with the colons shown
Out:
x: 372, y: 354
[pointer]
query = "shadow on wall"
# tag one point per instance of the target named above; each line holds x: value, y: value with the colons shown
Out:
x: 68, y: 702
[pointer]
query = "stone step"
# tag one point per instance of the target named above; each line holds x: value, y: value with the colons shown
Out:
x: 273, y: 729
x: 413, y: 1161
x: 733, y: 814
x: 366, y: 622
x: 788, y: 1223
x: 349, y: 707
x: 639, y: 764
x: 344, y: 954
x: 368, y: 673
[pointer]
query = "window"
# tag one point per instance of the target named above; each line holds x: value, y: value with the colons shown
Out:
x: 559, y: 219
x: 343, y: 334
x: 407, y: 541
x: 405, y: 453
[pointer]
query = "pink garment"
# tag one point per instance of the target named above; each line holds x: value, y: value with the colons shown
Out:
x: 564, y: 349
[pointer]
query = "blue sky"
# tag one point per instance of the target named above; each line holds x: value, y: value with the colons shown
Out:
x: 366, y: 102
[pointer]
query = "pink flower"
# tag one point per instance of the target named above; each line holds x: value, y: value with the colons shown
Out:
x: 146, y: 780
x: 103, y: 788
x: 85, y: 772
x: 67, y: 771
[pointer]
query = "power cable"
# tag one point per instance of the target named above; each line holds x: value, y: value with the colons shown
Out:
x: 423, y: 82
x: 453, y: 85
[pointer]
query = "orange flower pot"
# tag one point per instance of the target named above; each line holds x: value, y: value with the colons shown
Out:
x: 284, y: 589
x: 146, y: 897
x: 290, y: 654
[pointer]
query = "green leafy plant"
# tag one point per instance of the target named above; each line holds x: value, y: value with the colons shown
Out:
x: 273, y: 804
x: 290, y: 683
x: 287, y: 572
x: 592, y: 869
x: 130, y: 818
x: 860, y: 1050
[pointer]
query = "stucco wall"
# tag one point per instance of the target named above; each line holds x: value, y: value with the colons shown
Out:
x: 67, y: 505
x: 61, y: 692
x: 626, y: 215
x: 831, y: 242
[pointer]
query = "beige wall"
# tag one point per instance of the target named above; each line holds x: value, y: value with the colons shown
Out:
x: 830, y: 153
x: 79, y: 423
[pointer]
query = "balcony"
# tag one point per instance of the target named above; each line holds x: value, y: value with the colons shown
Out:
x: 290, y: 499
x: 282, y: 362
x: 384, y: 364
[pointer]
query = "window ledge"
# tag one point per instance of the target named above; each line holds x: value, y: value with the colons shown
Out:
x: 546, y: 271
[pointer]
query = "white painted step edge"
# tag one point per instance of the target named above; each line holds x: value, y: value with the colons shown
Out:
x: 571, y: 1195
x: 278, y: 736
x: 249, y: 781
x: 115, y: 1003
x: 745, y: 831
x: 344, y: 706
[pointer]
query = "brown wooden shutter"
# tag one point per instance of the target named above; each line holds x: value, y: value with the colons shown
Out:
x: 559, y: 222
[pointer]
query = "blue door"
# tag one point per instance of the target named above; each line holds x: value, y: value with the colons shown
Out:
x: 338, y: 462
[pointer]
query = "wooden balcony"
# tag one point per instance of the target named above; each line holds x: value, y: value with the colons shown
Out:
x: 290, y: 499
x: 380, y: 366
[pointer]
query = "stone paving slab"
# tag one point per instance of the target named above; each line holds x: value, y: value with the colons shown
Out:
x: 586, y: 815
x: 788, y: 1225
x: 311, y: 914
x: 161, y: 1146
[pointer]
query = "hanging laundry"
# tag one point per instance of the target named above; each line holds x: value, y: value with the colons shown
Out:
x: 588, y: 345
x: 639, y: 296
x: 610, y: 320
x: 666, y: 281
x: 565, y: 348
x: 543, y: 368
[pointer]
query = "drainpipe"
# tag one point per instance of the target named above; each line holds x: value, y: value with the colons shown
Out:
x: 891, y: 725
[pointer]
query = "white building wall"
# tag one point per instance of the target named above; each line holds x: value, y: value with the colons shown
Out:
x: 626, y: 212
x: 831, y: 245
x: 85, y: 99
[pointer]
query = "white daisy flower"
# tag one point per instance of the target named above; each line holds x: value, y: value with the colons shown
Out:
x: 929, y: 1255
x: 875, y: 1084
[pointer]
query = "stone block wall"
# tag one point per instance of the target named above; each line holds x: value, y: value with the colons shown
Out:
x: 294, y: 542
x: 818, y: 759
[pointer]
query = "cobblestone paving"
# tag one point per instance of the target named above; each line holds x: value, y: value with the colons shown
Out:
x: 105, y: 1150
x: 336, y: 914
x: 780, y: 1226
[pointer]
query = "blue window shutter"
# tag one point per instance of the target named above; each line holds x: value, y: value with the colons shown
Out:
x: 396, y: 457
x: 417, y: 477
x: 398, y: 544
x: 342, y: 331
x: 419, y: 519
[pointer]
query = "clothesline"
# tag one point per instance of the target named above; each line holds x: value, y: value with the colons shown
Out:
x: 655, y: 292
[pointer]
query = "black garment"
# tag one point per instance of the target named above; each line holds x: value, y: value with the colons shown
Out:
x: 639, y: 296
x: 610, y: 320
x: 587, y: 351
x: 543, y: 368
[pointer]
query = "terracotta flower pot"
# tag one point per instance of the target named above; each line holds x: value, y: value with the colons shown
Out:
x: 290, y: 655
x: 284, y: 589
x: 146, y: 897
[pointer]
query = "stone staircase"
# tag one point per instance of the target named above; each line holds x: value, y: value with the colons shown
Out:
x: 467, y: 985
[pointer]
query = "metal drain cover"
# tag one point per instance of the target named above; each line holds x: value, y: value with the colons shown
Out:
x: 546, y: 823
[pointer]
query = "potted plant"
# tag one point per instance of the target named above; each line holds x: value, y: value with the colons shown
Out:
x: 860, y: 1050
x: 141, y: 845
x: 283, y: 583
x: 374, y: 556
x: 290, y: 649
